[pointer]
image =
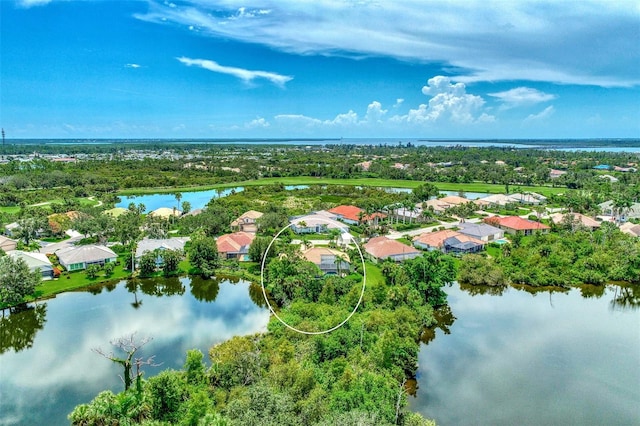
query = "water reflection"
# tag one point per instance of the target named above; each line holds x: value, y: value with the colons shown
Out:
x: 626, y: 297
x: 519, y: 358
x: 51, y: 370
x: 19, y: 326
x: 205, y: 289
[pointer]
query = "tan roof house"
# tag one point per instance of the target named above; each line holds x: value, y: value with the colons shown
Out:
x: 166, y: 212
x: 247, y: 222
x: 7, y: 244
x: 630, y: 229
x: 330, y: 261
x: 381, y: 248
x: 448, y: 241
x: 577, y: 218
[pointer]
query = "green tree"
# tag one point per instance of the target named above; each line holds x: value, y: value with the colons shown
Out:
x: 203, y: 254
x: 424, y: 192
x: 92, y: 271
x: 194, y: 367
x: 171, y: 262
x: 147, y: 264
x: 16, y: 280
x: 258, y: 248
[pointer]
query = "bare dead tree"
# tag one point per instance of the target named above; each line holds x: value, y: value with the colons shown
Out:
x: 129, y: 346
x: 401, y: 392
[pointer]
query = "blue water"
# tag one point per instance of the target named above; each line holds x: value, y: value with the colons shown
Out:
x: 197, y: 199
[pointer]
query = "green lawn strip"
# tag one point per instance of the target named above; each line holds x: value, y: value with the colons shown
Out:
x: 375, y: 182
x: 10, y: 209
x: 76, y: 280
x: 374, y: 274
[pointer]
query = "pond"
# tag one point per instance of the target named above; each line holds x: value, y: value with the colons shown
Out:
x: 197, y: 199
x: 47, y: 365
x: 546, y: 358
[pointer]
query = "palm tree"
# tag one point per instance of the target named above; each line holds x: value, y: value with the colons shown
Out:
x: 621, y: 205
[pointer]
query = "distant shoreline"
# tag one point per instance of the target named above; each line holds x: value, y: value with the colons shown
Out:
x: 529, y: 143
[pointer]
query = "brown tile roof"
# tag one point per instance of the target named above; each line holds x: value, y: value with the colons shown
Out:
x: 436, y: 239
x: 234, y: 243
x: 353, y: 213
x: 382, y: 247
x: 515, y: 222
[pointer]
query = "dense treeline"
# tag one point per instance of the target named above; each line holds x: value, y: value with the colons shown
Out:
x: 568, y: 257
x: 354, y: 375
x: 123, y: 167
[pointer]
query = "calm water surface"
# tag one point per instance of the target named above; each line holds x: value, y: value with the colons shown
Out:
x: 540, y: 359
x: 47, y: 366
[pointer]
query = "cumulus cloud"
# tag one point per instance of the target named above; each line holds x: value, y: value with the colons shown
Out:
x: 522, y: 96
x: 542, y: 115
x: 494, y: 41
x: 399, y: 102
x: 257, y: 123
x: 375, y: 113
x: 134, y: 66
x: 449, y: 101
x: 243, y: 74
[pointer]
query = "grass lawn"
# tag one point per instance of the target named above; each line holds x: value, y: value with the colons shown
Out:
x: 374, y: 274
x: 387, y: 183
x: 10, y: 209
x: 77, y: 280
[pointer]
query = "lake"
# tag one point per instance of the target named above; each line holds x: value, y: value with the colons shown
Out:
x: 541, y: 359
x: 197, y: 199
x: 57, y: 369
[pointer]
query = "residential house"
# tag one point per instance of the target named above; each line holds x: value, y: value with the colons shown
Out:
x: 76, y: 258
x: 610, y: 178
x: 35, y: 261
x: 7, y: 244
x: 555, y: 174
x: 630, y: 229
x: 194, y: 212
x: 11, y: 228
x: 528, y: 198
x: 235, y: 245
x: 497, y: 200
x: 481, y: 231
x: 381, y: 248
x: 345, y: 239
x: 440, y: 205
x: 330, y: 261
x: 149, y: 245
x: 448, y: 241
x: 354, y: 215
x: 609, y: 209
x: 247, y: 222
x: 166, y: 212
x: 577, y: 219
x: 317, y: 223
x: 515, y: 224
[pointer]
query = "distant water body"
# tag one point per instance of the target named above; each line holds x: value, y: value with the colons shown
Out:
x: 598, y: 145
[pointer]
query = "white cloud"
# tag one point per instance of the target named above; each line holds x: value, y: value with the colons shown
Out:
x: 449, y: 101
x: 399, y: 102
x: 31, y: 3
x: 542, y: 115
x: 522, y: 96
x: 375, y: 113
x: 132, y: 66
x: 243, y: 74
x: 257, y: 123
x: 537, y: 40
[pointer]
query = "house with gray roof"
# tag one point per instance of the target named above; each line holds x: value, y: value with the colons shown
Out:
x: 77, y: 258
x: 148, y: 244
x: 481, y: 231
x: 35, y: 261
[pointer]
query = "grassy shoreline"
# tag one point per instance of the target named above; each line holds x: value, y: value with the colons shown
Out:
x: 374, y: 182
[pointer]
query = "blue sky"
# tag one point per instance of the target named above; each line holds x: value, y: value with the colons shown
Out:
x: 298, y: 68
